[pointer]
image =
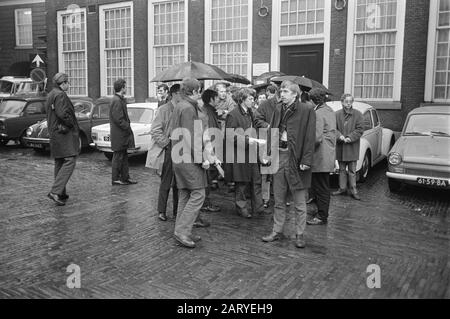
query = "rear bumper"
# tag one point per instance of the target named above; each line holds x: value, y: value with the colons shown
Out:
x: 107, y: 149
x: 36, y: 142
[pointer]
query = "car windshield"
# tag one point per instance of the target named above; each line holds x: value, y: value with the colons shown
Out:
x: 11, y: 107
x: 28, y: 87
x: 428, y: 124
x: 140, y: 115
x: 82, y: 110
x: 5, y: 86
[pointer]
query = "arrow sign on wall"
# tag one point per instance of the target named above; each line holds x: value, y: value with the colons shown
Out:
x: 37, y: 59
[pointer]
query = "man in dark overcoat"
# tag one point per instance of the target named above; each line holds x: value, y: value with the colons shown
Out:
x: 64, y: 137
x: 122, y: 137
x: 350, y: 128
x: 296, y: 122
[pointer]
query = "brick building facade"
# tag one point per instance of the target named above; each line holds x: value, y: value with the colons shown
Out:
x: 394, y: 54
x: 22, y: 35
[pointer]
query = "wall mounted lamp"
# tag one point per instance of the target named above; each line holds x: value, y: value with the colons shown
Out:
x: 340, y: 4
x: 263, y: 10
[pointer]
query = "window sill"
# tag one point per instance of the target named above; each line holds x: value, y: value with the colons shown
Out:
x: 23, y: 48
x: 385, y: 105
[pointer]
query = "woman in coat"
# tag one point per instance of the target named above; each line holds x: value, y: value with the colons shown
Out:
x: 243, y: 167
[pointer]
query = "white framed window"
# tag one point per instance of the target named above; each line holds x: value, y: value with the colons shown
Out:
x: 168, y: 36
x: 374, y: 60
x: 24, y: 27
x: 72, y: 55
x: 116, y: 46
x: 301, y: 22
x: 302, y: 18
x: 228, y: 35
x: 437, y: 83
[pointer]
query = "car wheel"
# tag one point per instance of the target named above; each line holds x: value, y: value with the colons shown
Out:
x: 365, y: 168
x: 394, y: 185
x: 108, y: 155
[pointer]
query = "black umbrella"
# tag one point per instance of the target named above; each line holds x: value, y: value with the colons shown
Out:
x: 302, y: 81
x: 197, y: 70
x: 267, y: 76
x: 236, y: 78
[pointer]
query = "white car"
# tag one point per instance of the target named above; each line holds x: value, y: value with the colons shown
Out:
x: 376, y: 142
x: 141, y: 118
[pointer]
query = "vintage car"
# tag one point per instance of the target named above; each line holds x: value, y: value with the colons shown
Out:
x: 141, y: 118
x: 375, y: 142
x: 13, y: 85
x: 421, y: 156
x: 17, y: 114
x: 88, y: 113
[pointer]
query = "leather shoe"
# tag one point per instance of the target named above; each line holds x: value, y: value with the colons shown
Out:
x: 131, y: 182
x: 272, y: 237
x: 201, y: 223
x: 316, y: 221
x: 120, y: 183
x: 300, y: 241
x: 356, y: 196
x: 64, y: 197
x: 210, y: 208
x: 339, y: 192
x: 185, y: 241
x: 244, y: 213
x: 162, y: 216
x: 195, y: 238
x: 56, y: 199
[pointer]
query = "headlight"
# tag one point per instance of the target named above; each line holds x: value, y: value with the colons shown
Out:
x: 395, y: 159
x: 29, y: 131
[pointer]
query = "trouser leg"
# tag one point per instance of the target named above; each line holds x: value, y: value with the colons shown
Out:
x: 256, y: 194
x: 280, y: 191
x: 265, y: 187
x: 116, y: 166
x: 240, y: 197
x: 166, y: 183
x: 343, y: 175
x: 63, y: 175
x: 175, y: 200
x: 187, y: 217
x: 321, y: 186
x: 125, y: 173
x: 352, y: 177
x: 299, y: 197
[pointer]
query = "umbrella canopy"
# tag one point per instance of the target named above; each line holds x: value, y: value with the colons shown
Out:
x: 197, y: 70
x: 236, y: 78
x: 267, y: 76
x: 302, y: 81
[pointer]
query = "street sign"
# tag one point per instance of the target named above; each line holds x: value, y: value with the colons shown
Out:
x: 38, y: 75
x: 38, y: 60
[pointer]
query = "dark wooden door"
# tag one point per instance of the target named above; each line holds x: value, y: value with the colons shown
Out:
x: 303, y: 60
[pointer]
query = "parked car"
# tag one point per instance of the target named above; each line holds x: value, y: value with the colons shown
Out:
x: 421, y: 156
x: 376, y: 141
x: 141, y: 118
x: 88, y: 114
x: 13, y: 85
x: 17, y: 114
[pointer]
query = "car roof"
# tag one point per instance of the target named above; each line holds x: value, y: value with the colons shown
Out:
x: 16, y: 79
x: 360, y: 106
x: 148, y: 105
x: 445, y: 109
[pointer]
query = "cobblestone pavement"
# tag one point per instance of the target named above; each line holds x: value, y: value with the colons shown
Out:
x: 124, y: 251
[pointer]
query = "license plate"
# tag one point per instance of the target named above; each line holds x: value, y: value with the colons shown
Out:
x: 34, y: 145
x: 432, y: 182
x: 106, y: 138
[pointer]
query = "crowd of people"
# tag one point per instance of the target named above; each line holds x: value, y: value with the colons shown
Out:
x: 294, y: 164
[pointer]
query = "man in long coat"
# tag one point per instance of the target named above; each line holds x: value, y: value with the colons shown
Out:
x: 350, y: 128
x: 161, y: 136
x: 324, y: 156
x: 187, y: 158
x: 122, y: 137
x: 296, y: 122
x: 64, y: 137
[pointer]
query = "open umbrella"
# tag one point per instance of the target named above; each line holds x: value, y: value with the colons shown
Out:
x: 236, y: 78
x: 267, y: 76
x: 197, y: 70
x: 302, y: 81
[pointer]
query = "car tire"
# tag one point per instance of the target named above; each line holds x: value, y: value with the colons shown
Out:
x: 394, y: 185
x: 365, y: 168
x: 108, y: 155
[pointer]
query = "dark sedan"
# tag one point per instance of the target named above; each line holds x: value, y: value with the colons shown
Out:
x: 88, y: 113
x: 17, y: 114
